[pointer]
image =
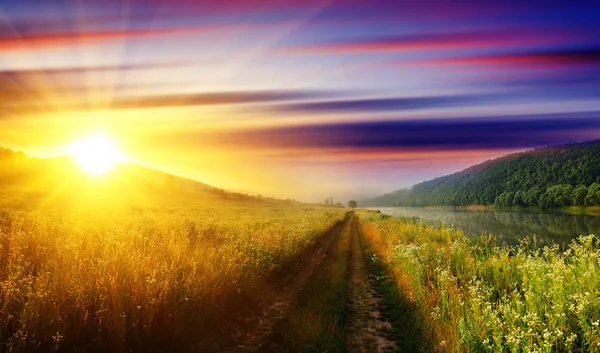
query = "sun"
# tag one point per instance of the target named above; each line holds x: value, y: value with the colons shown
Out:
x: 96, y: 154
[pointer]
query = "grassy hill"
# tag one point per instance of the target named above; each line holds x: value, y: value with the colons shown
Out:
x: 548, y: 177
x: 38, y: 182
x: 138, y: 260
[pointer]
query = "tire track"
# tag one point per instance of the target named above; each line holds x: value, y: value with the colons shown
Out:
x: 369, y: 331
x: 258, y: 328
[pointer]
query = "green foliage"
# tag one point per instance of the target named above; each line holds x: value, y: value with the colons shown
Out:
x: 579, y: 195
x: 593, y: 195
x: 476, y: 295
x: 519, y: 199
x: 352, y: 204
x: 532, y: 196
x: 556, y: 196
x: 533, y: 173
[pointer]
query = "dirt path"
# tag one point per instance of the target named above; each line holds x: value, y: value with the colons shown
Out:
x: 369, y: 331
x: 259, y: 327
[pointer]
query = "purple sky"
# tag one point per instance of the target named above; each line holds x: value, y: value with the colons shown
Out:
x: 302, y: 99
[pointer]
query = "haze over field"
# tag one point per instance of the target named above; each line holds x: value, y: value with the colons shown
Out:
x: 300, y: 99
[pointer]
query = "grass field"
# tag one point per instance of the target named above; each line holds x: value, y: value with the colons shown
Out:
x: 474, y: 295
x: 187, y: 269
x: 141, y: 278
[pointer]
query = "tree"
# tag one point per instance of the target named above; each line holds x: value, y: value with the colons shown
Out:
x: 562, y: 195
x: 545, y: 200
x: 531, y: 172
x: 533, y: 196
x: 500, y: 201
x: 519, y: 199
x: 508, y: 201
x: 352, y: 204
x: 593, y: 196
x: 579, y: 194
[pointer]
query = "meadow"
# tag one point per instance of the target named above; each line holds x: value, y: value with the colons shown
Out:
x: 478, y: 295
x: 171, y: 265
x: 135, y: 278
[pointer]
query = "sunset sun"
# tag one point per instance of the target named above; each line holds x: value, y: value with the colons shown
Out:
x: 96, y: 154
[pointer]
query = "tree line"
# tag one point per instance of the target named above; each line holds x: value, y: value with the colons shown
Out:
x: 553, y: 197
x: 549, y: 177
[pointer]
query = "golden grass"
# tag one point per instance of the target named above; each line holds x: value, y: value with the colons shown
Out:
x: 318, y: 321
x: 139, y: 278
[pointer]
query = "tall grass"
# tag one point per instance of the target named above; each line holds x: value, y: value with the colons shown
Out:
x: 142, y: 278
x: 475, y: 295
x: 318, y: 321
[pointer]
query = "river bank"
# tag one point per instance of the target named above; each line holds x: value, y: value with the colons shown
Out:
x: 587, y: 210
x: 476, y: 295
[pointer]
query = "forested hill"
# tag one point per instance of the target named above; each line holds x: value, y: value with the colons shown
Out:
x: 546, y: 177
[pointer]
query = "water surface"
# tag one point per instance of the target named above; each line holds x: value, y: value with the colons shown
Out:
x: 510, y: 226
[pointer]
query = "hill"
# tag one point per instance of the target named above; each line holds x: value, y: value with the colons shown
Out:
x: 34, y: 182
x: 547, y: 177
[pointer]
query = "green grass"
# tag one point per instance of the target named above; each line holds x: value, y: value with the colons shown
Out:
x: 399, y: 310
x: 474, y: 295
x: 318, y: 321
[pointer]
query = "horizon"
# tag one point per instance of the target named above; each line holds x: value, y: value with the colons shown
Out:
x: 300, y: 100
x: 343, y: 201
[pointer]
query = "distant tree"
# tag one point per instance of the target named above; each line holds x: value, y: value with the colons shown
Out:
x: 519, y: 199
x: 531, y: 172
x: 561, y: 195
x: 545, y: 200
x: 499, y: 201
x: 533, y: 196
x: 508, y: 199
x: 579, y: 194
x: 352, y: 204
x: 593, y: 195
x: 505, y: 199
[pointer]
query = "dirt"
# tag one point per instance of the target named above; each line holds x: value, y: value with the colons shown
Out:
x: 258, y: 328
x: 369, y: 330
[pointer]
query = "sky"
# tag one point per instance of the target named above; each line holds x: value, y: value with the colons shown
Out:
x: 301, y: 99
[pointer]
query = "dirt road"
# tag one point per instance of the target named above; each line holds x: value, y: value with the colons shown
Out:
x: 297, y: 316
x: 369, y: 331
x: 258, y: 329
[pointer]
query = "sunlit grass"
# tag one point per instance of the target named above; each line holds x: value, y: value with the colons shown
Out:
x: 141, y: 278
x: 317, y: 323
x: 473, y: 295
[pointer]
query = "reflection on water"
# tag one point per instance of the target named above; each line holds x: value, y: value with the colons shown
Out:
x: 510, y: 226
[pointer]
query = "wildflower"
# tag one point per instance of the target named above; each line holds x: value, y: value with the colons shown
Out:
x: 57, y: 338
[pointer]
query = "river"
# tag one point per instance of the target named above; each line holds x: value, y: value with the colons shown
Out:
x: 510, y: 226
